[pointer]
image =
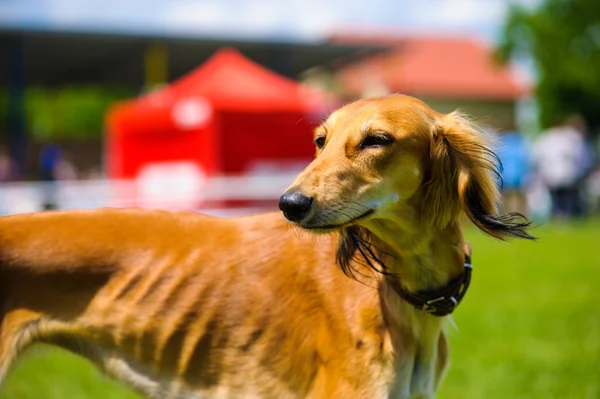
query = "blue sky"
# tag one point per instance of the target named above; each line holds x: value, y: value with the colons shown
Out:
x: 305, y: 20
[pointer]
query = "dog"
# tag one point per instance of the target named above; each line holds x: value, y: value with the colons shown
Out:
x: 346, y: 298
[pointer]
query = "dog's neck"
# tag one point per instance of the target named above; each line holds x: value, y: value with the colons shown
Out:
x: 423, y: 258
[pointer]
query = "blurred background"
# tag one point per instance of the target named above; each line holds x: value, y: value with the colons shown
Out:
x: 209, y: 105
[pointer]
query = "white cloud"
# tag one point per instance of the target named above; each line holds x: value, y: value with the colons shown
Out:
x: 194, y: 16
x: 313, y: 18
x: 303, y: 19
x: 459, y: 13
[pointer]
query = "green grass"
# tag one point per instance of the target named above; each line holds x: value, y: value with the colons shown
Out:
x: 528, y: 328
x: 530, y: 325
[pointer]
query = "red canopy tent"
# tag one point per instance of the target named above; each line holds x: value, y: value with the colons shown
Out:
x: 229, y: 116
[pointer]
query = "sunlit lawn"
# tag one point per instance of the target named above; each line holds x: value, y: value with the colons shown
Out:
x: 529, y: 328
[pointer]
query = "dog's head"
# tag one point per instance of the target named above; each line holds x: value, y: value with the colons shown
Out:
x: 386, y: 158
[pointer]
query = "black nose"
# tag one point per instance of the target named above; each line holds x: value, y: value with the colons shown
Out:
x: 295, y: 206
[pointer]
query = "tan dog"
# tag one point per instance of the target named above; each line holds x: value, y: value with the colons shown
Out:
x: 179, y: 305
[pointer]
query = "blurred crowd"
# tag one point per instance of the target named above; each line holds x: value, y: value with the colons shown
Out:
x: 53, y: 165
x: 555, y: 175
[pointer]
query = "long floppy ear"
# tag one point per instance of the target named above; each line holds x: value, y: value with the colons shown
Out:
x: 464, y: 177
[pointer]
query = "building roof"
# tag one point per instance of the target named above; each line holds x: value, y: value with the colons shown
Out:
x: 56, y: 59
x: 442, y: 67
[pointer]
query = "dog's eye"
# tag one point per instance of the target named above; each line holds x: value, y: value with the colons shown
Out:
x: 376, y: 140
x: 320, y: 142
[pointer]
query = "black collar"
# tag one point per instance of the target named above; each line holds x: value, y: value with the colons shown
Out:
x: 442, y: 301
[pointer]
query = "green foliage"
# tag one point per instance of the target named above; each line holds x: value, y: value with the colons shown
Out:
x: 72, y: 112
x: 528, y: 328
x: 563, y: 38
x: 64, y: 113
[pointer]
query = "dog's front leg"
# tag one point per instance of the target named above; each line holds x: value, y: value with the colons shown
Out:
x: 428, y: 368
x: 423, y: 377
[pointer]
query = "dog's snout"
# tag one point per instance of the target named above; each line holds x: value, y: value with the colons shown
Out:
x: 295, y: 205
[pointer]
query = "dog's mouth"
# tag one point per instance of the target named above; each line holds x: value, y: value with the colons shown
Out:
x: 330, y: 227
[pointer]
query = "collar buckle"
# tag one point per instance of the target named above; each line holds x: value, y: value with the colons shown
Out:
x: 440, y: 302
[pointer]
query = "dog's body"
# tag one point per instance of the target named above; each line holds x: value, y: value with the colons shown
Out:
x: 204, y: 307
x: 186, y: 306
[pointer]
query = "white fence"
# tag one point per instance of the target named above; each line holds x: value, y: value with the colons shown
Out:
x: 219, y: 196
x: 222, y: 196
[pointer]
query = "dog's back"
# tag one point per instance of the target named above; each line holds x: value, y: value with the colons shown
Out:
x: 153, y: 299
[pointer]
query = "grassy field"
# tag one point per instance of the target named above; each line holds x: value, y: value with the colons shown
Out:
x: 529, y: 328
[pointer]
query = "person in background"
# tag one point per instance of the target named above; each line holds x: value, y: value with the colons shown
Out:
x: 8, y: 172
x: 588, y: 165
x: 8, y: 167
x: 53, y: 166
x: 48, y: 162
x: 562, y: 159
x: 514, y: 153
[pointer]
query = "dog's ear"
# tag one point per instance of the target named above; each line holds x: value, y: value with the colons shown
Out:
x: 464, y: 176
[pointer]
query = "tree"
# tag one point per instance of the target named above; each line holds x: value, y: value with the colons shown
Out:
x: 563, y: 39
